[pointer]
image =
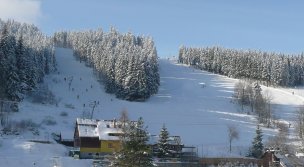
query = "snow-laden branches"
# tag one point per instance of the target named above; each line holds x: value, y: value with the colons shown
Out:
x: 127, y: 64
x: 269, y: 68
x: 26, y: 55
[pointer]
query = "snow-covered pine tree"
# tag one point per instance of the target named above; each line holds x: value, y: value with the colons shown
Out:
x: 265, y: 69
x: 143, y: 89
x: 259, y: 103
x: 151, y: 68
x: 31, y: 71
x: 131, y: 82
x: 21, y: 63
x: 11, y: 80
x: 110, y: 73
x: 257, y: 148
x: 13, y: 85
x: 3, y: 60
x: 163, y: 145
x: 270, y: 68
x: 21, y: 57
x: 217, y: 64
x: 295, y: 61
x: 121, y: 71
x: 292, y: 70
x: 181, y: 54
x: 135, y: 152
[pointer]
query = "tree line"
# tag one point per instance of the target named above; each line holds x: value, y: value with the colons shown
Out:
x: 26, y: 55
x: 127, y: 64
x: 269, y: 68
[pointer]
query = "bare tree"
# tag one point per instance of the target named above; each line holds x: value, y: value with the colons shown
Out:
x: 244, y: 94
x: 300, y: 122
x: 268, y: 98
x: 239, y: 93
x: 250, y: 92
x: 233, y: 134
x: 280, y: 139
x: 124, y: 118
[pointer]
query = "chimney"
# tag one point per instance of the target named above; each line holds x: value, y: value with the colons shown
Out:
x: 114, y: 122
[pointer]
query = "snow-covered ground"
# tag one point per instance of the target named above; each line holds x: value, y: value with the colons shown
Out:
x: 199, y: 113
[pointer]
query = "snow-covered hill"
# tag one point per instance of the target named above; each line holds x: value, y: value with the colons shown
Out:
x: 197, y: 112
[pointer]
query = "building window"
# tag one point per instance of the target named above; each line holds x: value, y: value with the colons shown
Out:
x: 114, y: 134
x: 110, y: 145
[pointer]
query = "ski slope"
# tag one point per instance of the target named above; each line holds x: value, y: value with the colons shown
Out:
x: 193, y: 104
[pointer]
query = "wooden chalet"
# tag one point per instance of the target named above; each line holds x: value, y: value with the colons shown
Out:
x: 97, y: 137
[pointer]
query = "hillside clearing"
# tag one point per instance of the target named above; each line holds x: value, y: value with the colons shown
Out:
x: 199, y: 115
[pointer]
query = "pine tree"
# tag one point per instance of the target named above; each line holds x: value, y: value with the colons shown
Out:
x: 259, y: 103
x: 163, y: 145
x: 135, y: 152
x: 21, y: 64
x: 10, y: 80
x: 257, y: 144
x: 13, y: 85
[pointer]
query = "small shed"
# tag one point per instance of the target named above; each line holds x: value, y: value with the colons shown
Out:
x: 202, y: 84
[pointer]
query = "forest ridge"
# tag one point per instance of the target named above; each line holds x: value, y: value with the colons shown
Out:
x: 125, y: 63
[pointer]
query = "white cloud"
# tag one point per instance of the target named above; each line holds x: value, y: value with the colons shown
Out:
x: 28, y: 11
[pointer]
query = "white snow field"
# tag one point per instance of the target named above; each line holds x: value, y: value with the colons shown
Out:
x: 193, y: 104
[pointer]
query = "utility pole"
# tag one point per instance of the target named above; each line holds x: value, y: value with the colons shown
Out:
x: 93, y: 105
x: 202, y: 150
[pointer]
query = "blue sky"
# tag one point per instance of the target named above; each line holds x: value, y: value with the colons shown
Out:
x: 271, y: 25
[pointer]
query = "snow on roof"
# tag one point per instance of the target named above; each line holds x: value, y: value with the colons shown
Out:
x: 109, y: 130
x: 103, y: 129
x: 300, y: 154
x: 87, y: 131
x: 81, y: 121
x: 278, y: 155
